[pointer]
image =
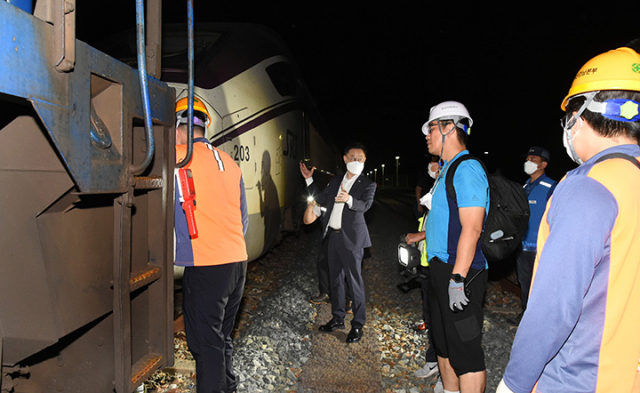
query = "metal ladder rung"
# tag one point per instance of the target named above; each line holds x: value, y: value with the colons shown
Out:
x: 145, y: 277
x: 144, y: 368
x: 148, y: 182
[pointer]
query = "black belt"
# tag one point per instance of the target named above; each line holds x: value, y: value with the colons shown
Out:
x: 334, y: 230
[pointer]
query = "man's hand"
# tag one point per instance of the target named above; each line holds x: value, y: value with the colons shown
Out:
x: 309, y: 216
x: 306, y: 172
x: 414, y: 237
x: 457, y: 298
x: 343, y: 195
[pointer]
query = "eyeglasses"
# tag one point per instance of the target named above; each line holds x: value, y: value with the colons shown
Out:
x: 566, y: 123
x: 437, y: 125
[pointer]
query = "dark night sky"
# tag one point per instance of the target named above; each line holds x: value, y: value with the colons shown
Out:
x: 376, y: 70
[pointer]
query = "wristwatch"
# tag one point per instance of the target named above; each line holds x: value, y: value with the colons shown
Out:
x: 458, y: 278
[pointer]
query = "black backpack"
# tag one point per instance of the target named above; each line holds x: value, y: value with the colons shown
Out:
x: 508, y: 216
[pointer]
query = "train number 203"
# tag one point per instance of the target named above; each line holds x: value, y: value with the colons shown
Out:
x: 241, y: 153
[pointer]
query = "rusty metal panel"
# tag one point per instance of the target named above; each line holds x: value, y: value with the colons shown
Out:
x: 77, y: 250
x: 32, y: 176
x: 86, y: 284
x: 78, y: 264
x: 78, y: 362
x: 154, y: 38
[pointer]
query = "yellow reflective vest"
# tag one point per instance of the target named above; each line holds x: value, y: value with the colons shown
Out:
x: 423, y: 243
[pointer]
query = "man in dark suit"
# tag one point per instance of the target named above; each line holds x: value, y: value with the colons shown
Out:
x: 346, y: 199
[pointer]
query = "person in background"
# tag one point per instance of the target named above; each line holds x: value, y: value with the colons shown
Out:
x: 312, y: 212
x: 539, y: 188
x: 431, y: 366
x: 346, y: 199
x: 580, y: 330
x: 215, y: 259
x: 432, y: 171
x: 424, y: 185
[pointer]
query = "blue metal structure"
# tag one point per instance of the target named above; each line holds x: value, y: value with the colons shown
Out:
x: 63, y: 100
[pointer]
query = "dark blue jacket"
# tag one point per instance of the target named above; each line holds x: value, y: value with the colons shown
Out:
x: 538, y: 193
x: 354, y: 226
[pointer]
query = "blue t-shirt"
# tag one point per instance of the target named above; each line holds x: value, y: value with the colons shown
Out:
x: 443, y: 227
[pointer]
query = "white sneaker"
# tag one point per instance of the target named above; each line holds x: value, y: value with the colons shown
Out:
x: 439, y: 388
x: 428, y: 370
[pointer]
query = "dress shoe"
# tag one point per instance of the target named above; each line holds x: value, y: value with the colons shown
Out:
x: 331, y: 326
x: 320, y: 298
x: 354, y: 335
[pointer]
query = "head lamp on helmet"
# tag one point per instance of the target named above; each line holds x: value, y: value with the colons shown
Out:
x: 200, y: 113
x: 618, y: 109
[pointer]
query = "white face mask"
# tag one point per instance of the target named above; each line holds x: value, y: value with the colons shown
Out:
x: 568, y: 144
x: 530, y: 167
x: 567, y: 139
x: 432, y: 174
x: 355, y: 167
x: 426, y: 200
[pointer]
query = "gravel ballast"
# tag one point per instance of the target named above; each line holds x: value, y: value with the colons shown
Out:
x: 277, y: 345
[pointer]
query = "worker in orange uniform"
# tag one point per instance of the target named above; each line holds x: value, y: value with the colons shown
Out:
x: 580, y: 330
x: 215, y: 259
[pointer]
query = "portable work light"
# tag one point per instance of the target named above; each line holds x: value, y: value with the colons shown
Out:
x: 408, y: 256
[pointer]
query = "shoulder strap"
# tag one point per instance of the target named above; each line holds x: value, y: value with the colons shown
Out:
x: 451, y: 172
x: 619, y: 155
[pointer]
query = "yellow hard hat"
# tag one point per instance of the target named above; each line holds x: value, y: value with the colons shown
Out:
x: 617, y: 69
x: 183, y: 104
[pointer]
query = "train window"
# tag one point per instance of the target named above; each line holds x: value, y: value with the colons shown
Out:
x: 283, y: 78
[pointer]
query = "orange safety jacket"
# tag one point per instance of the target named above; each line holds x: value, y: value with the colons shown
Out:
x: 220, y: 212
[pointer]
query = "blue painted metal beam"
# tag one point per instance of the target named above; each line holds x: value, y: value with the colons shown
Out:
x: 63, y: 100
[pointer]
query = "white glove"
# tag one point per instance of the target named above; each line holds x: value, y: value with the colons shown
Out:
x: 502, y: 388
x: 457, y: 297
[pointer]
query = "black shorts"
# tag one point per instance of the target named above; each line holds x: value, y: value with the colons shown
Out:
x: 457, y: 335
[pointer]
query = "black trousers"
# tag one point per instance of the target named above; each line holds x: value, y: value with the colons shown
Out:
x: 344, y: 263
x: 524, y: 267
x: 430, y: 355
x: 211, y: 298
x: 457, y: 335
x: 323, y: 267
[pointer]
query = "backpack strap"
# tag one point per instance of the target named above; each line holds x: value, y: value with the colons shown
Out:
x: 451, y: 190
x: 619, y: 155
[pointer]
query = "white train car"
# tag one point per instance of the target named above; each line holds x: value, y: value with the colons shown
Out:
x: 262, y: 116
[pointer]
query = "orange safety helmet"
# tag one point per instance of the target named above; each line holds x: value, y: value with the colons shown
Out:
x: 617, y: 69
x: 181, y: 110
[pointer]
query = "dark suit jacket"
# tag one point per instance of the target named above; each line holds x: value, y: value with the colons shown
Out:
x: 354, y: 227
